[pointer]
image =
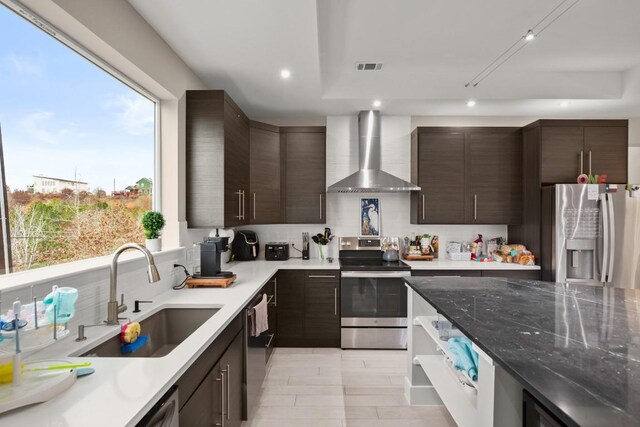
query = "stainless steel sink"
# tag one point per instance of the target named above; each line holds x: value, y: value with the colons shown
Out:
x: 165, y: 329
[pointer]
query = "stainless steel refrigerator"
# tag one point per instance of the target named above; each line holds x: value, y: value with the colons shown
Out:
x: 591, y: 234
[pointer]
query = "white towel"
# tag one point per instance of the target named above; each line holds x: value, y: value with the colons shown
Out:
x: 260, y: 317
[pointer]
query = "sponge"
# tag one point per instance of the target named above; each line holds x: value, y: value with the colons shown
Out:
x: 130, y: 332
x: 130, y: 348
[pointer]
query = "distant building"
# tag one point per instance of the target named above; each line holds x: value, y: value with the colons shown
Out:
x: 46, y: 184
x: 144, y: 186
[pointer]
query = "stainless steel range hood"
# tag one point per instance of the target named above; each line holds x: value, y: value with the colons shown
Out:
x: 370, y: 178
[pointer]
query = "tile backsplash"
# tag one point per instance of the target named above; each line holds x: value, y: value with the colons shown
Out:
x: 93, y: 287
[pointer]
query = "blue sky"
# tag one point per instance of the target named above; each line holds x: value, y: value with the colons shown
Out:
x: 59, y: 112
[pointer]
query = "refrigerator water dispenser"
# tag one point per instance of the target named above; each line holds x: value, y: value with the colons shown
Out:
x: 581, y: 254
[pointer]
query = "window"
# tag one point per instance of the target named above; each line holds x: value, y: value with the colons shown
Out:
x: 75, y: 144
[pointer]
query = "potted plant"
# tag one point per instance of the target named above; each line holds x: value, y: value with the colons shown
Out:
x: 152, y: 222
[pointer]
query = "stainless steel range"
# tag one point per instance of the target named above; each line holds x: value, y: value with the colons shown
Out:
x: 373, y: 296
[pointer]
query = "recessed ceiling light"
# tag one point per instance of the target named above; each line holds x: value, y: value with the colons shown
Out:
x: 285, y: 74
x: 471, y: 103
x: 377, y: 103
x: 564, y: 104
x: 529, y: 36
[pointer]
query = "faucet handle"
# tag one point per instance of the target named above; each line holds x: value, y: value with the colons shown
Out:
x: 122, y: 307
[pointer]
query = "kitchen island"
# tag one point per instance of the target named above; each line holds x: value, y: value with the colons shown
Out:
x: 574, y: 348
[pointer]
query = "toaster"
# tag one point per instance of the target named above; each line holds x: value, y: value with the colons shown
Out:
x: 276, y: 251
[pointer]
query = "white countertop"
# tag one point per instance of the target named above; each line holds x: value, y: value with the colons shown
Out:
x: 447, y: 264
x: 122, y: 390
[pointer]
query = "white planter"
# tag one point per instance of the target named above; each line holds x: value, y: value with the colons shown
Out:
x: 154, y: 245
x: 635, y: 193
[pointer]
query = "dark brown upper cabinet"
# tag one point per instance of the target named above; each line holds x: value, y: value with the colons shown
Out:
x: 494, y: 174
x: 266, y: 195
x: 437, y: 166
x: 305, y: 179
x: 568, y: 148
x: 217, y: 161
x: 466, y: 175
x: 561, y: 150
x: 606, y: 150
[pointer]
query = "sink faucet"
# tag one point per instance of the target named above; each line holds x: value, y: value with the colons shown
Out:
x: 113, y: 308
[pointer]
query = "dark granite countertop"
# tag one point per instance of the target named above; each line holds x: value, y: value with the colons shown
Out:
x: 576, y: 348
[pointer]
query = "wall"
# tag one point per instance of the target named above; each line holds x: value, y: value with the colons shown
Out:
x: 93, y: 285
x: 634, y: 165
x: 343, y: 209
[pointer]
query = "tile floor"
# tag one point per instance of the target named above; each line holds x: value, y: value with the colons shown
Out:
x: 340, y: 388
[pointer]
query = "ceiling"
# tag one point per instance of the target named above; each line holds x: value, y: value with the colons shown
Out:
x: 590, y: 56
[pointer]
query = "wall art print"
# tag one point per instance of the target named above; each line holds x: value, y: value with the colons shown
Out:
x: 369, y: 217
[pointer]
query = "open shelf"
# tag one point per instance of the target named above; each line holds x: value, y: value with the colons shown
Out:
x: 427, y: 325
x: 461, y: 404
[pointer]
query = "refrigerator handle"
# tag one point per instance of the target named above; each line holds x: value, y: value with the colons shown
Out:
x: 612, y: 246
x: 605, y: 230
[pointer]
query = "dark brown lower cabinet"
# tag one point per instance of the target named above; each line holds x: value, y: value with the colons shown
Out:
x: 204, y: 405
x: 232, y: 366
x: 212, y: 387
x: 322, y: 308
x: 289, y: 295
x: 308, y: 308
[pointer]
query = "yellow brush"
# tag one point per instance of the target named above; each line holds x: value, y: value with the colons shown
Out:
x: 6, y: 370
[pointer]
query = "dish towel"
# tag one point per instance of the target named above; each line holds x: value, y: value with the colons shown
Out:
x: 465, y: 359
x: 260, y: 317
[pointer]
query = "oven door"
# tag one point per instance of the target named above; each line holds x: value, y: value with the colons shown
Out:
x: 373, y: 298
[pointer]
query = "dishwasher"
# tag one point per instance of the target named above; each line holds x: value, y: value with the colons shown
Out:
x: 164, y: 413
x: 257, y: 350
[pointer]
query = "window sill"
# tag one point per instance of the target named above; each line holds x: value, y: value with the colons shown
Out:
x: 56, y: 272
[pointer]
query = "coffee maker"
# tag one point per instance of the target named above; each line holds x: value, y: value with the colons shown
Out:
x: 210, y: 250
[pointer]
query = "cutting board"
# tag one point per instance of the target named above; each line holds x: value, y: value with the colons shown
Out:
x: 197, y: 282
x: 419, y: 257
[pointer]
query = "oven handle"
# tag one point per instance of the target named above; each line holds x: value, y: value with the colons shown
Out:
x: 375, y: 274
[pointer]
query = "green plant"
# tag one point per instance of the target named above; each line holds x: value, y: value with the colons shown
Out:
x: 152, y: 222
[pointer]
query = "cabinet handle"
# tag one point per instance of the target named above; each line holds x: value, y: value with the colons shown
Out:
x: 221, y: 379
x: 239, y: 193
x: 423, y: 206
x: 254, y: 205
x: 581, y: 162
x: 270, y: 339
x: 589, y: 162
x: 335, y: 301
x: 320, y: 205
x: 475, y: 206
x: 228, y: 394
x: 321, y: 276
x: 275, y: 292
x: 244, y: 205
